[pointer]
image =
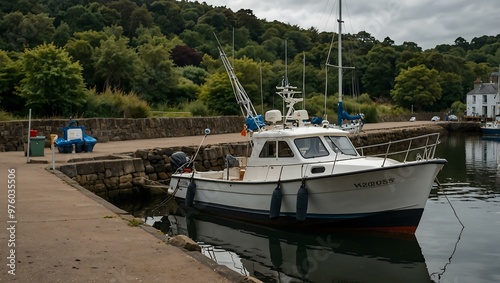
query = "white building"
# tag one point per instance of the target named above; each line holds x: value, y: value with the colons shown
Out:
x: 484, y: 99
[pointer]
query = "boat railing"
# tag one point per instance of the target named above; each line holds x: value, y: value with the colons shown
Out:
x: 410, y: 149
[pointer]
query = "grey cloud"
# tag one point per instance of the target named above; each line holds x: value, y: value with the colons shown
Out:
x: 425, y: 22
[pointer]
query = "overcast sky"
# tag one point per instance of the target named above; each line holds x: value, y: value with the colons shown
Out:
x: 425, y: 22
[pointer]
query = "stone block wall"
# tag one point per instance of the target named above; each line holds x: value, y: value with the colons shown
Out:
x: 109, y: 179
x: 211, y: 157
x: 13, y: 134
x: 127, y: 177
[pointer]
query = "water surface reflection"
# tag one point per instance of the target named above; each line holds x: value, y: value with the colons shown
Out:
x: 278, y: 256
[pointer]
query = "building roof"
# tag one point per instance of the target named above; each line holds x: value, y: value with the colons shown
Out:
x: 484, y: 88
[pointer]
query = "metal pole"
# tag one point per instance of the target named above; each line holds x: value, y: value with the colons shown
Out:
x: 53, y: 154
x: 29, y: 130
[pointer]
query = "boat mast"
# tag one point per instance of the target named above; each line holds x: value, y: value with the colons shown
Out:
x: 340, y: 53
x: 340, y: 108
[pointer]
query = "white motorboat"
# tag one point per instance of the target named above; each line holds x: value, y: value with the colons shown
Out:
x: 302, y: 175
x: 317, y: 180
x: 313, y: 177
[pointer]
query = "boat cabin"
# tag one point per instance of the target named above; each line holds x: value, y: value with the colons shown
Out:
x: 283, y: 145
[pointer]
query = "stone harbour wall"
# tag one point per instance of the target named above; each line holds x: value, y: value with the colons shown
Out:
x: 109, y: 179
x: 127, y: 176
x: 383, y: 136
x: 13, y: 134
x: 211, y: 157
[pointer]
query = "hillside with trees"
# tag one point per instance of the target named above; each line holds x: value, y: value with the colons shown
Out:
x: 122, y: 58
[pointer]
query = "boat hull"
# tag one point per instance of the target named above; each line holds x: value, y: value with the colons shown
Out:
x: 385, y: 198
x: 491, y: 131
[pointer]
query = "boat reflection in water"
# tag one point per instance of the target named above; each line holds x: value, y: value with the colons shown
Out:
x: 280, y: 256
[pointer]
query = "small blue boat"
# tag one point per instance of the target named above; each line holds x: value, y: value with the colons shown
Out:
x: 491, y: 128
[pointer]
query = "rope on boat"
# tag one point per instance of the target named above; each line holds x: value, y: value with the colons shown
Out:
x: 443, y: 269
x: 440, y: 187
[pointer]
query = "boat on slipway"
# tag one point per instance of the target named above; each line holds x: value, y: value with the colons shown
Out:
x: 304, y: 176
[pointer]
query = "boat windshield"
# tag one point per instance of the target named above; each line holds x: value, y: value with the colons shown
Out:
x: 341, y: 144
x: 311, y: 147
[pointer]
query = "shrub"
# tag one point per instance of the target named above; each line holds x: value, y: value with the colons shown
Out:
x: 197, y: 108
x: 117, y: 104
x: 5, y: 116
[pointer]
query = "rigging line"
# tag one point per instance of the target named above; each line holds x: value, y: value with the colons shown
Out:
x: 323, y: 14
x: 327, y: 62
x: 350, y: 46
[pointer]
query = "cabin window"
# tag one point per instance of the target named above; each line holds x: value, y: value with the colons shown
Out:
x: 269, y: 149
x: 341, y: 144
x: 318, y: 169
x: 311, y: 147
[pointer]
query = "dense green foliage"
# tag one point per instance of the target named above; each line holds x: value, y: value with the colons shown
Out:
x: 163, y: 52
x: 52, y: 83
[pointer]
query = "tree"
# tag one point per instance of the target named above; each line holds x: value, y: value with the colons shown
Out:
x: 458, y: 107
x: 299, y: 41
x: 197, y: 75
x: 246, y: 18
x: 183, y: 55
x: 218, y: 94
x: 453, y: 90
x: 80, y: 18
x: 19, y: 31
x: 115, y: 63
x: 61, y: 35
x: 53, y: 83
x: 125, y: 8
x: 388, y: 41
x: 10, y: 76
x: 461, y: 42
x: 216, y: 19
x: 380, y: 70
x: 82, y: 51
x: 417, y: 86
x: 155, y: 81
x: 140, y: 17
x: 256, y: 52
x: 168, y: 16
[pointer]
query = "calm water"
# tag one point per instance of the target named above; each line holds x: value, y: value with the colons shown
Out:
x: 441, y: 250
